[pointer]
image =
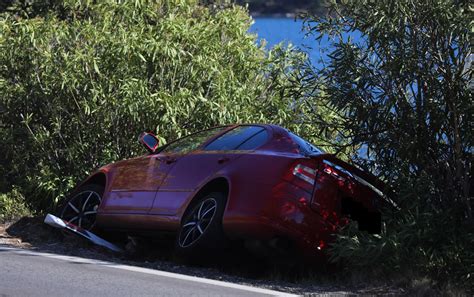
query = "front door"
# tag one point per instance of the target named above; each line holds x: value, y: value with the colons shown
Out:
x: 135, y: 183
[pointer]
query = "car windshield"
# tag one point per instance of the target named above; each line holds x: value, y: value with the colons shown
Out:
x: 305, y: 146
x: 190, y: 142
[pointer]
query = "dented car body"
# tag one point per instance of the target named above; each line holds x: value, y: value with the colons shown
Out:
x: 255, y: 183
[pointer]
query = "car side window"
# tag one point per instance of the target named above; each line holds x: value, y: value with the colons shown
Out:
x: 255, y: 141
x: 190, y: 142
x: 239, y: 138
x: 304, y: 146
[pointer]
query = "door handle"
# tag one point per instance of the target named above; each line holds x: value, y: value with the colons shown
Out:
x: 223, y: 160
x: 168, y: 160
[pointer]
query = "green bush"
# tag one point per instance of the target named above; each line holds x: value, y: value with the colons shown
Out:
x: 13, y: 206
x: 81, y: 79
x: 404, y: 90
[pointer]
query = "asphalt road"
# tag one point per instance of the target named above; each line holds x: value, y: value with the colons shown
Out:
x: 29, y: 273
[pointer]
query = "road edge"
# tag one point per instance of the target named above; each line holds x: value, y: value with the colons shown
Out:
x: 147, y: 271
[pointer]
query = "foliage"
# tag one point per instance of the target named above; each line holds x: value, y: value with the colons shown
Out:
x: 405, y: 88
x: 13, y: 206
x: 81, y: 79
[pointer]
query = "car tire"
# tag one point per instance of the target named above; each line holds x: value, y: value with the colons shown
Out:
x: 201, y: 226
x: 80, y: 208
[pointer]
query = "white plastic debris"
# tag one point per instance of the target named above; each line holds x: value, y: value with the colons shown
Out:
x: 62, y: 224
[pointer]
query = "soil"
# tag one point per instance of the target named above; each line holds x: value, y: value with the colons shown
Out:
x: 237, y: 267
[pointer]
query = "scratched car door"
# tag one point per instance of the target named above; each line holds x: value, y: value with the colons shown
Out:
x: 135, y: 183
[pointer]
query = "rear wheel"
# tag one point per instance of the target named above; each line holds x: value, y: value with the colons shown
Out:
x: 81, y: 208
x: 201, y: 226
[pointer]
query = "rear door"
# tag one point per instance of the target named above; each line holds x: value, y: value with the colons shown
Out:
x: 193, y: 170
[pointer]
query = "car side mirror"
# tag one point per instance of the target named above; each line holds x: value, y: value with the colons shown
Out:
x: 149, y: 141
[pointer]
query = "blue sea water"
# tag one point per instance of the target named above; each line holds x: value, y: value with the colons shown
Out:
x: 287, y: 31
x: 275, y: 30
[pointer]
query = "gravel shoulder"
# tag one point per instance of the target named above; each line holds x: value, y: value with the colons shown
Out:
x: 33, y: 234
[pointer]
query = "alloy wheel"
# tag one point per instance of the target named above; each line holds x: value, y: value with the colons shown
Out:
x: 197, y: 222
x: 81, y: 210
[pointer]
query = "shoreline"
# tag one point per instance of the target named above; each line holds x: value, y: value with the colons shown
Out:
x: 288, y: 15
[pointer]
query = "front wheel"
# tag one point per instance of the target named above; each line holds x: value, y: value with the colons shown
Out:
x: 81, y: 208
x: 201, y: 226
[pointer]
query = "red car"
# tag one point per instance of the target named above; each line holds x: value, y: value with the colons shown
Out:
x: 260, y: 184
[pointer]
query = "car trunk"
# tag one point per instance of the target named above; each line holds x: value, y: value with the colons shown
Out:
x: 343, y: 191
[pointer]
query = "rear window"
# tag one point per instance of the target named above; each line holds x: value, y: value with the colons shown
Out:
x: 240, y: 138
x: 305, y: 147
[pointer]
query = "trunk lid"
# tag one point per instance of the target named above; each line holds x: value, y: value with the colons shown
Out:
x: 343, y: 190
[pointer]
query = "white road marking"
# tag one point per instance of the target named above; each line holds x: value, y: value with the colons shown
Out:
x: 147, y: 271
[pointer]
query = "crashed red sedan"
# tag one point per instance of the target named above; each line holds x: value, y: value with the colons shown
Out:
x: 259, y: 184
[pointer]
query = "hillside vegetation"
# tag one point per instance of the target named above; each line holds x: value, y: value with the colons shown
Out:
x: 81, y: 79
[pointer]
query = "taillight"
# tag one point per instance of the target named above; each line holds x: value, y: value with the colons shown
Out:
x: 305, y: 176
x: 306, y: 173
x: 329, y: 168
